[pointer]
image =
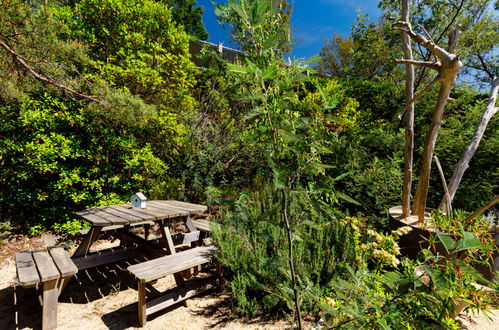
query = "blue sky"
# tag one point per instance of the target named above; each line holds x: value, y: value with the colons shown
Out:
x: 313, y: 21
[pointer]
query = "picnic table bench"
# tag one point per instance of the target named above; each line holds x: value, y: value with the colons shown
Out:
x: 50, y: 269
x: 175, y: 263
x: 117, y: 220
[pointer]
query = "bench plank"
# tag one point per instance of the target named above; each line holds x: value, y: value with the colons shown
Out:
x: 171, y: 264
x: 26, y: 270
x: 205, y: 225
x: 63, y: 262
x: 45, y: 265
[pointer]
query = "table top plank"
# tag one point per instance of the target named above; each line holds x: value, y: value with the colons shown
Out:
x: 26, y: 269
x: 112, y: 218
x: 168, y: 212
x: 124, y: 215
x: 94, y: 219
x: 193, y: 208
x: 45, y: 265
x: 63, y: 262
x: 158, y: 214
x: 124, y: 218
x: 134, y: 212
x: 178, y: 210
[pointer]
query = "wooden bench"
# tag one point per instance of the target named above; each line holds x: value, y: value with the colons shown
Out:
x: 173, y: 264
x: 204, y: 225
x: 50, y: 269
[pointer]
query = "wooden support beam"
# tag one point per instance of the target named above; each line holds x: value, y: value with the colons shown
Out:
x: 178, y: 295
x: 87, y: 241
x: 49, y: 308
x: 142, y: 304
x: 106, y: 256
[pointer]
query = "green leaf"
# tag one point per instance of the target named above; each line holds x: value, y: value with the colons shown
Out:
x: 346, y: 198
x: 469, y: 241
x: 447, y: 241
x: 237, y: 68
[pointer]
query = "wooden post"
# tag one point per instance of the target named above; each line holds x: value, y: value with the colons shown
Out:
x: 49, y: 308
x: 142, y: 303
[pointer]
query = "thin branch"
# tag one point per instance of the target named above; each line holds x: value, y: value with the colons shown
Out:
x: 444, y: 32
x: 433, y: 65
x: 482, y: 209
x: 418, y: 95
x: 40, y: 76
x: 427, y: 33
x: 485, y: 67
x: 446, y: 189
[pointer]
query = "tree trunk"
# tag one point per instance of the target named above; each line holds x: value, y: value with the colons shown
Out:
x: 409, y: 128
x: 463, y: 163
x: 447, y: 72
x: 429, y: 147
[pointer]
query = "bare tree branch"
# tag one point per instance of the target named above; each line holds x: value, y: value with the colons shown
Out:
x: 463, y: 163
x: 433, y: 65
x: 42, y: 77
x: 419, y: 94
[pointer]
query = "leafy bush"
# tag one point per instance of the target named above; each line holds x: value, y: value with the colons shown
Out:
x: 58, y: 158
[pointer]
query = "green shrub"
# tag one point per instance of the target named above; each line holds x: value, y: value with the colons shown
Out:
x: 253, y: 248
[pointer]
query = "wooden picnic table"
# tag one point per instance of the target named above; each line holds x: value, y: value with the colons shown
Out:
x: 122, y: 217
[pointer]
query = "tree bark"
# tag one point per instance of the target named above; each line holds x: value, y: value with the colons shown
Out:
x: 463, y: 163
x: 409, y: 128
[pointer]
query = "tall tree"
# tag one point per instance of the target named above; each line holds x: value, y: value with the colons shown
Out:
x: 135, y: 45
x: 363, y: 55
x: 261, y: 28
x: 186, y: 13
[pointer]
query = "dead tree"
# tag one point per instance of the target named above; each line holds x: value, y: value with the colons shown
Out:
x: 409, y: 128
x: 463, y: 163
x: 447, y: 65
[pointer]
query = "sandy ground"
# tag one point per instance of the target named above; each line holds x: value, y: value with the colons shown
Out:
x: 105, y: 298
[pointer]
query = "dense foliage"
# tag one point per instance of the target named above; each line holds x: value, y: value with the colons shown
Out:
x: 100, y: 99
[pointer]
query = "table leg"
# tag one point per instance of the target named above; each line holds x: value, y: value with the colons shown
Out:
x: 142, y: 303
x: 126, y: 229
x: 190, y: 224
x: 89, y: 238
x: 49, y: 308
x: 165, y: 232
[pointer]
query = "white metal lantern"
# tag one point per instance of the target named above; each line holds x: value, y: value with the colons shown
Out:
x: 139, y: 201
